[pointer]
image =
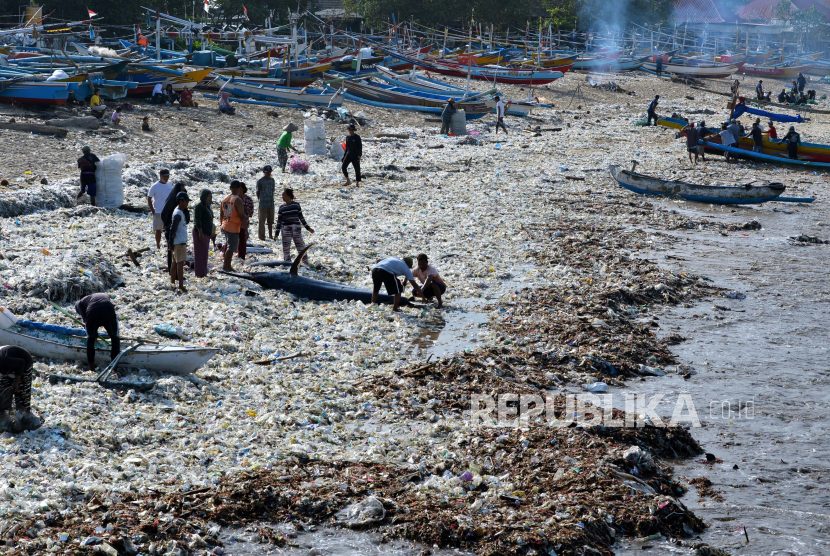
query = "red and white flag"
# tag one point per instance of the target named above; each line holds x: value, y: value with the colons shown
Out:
x: 207, y: 6
x: 91, y: 13
x: 244, y: 9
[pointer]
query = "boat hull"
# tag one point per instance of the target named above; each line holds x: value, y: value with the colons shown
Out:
x: 164, y: 359
x: 708, y: 72
x: 716, y: 194
x: 40, y: 93
x: 775, y: 72
x: 258, y: 91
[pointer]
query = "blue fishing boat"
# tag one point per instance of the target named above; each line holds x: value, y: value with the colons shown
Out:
x: 47, y: 93
x: 761, y: 157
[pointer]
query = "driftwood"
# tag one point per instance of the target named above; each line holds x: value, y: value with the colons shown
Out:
x: 82, y: 122
x: 34, y: 128
x: 395, y: 135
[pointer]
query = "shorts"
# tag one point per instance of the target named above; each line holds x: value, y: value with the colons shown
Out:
x: 701, y: 150
x: 429, y: 291
x: 692, y: 149
x: 158, y: 225
x: 380, y: 276
x: 756, y: 149
x: 180, y: 253
x: 232, y: 239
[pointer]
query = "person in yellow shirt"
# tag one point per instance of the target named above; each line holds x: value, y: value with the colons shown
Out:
x: 95, y: 104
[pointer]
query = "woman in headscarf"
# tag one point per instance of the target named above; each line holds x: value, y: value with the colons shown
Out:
x: 284, y: 145
x: 203, y: 232
x: 248, y: 203
x: 225, y: 104
x: 167, y: 218
x: 187, y: 98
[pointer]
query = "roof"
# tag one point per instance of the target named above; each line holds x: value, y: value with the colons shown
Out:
x: 823, y: 6
x: 696, y: 11
x: 762, y: 10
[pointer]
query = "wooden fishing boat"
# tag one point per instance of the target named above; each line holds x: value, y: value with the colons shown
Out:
x: 55, y: 343
x: 304, y: 96
x: 708, y: 72
x: 621, y: 65
x: 485, y: 59
x: 556, y: 62
x: 715, y: 194
x: 46, y: 93
x: 769, y: 158
x: 596, y: 63
x: 146, y: 79
x: 808, y: 152
x: 421, y: 102
x: 775, y: 72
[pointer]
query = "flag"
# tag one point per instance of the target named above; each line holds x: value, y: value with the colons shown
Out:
x: 91, y: 13
x: 207, y: 6
x: 244, y: 9
x: 91, y: 32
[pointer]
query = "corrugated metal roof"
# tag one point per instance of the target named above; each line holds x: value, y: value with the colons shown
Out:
x: 696, y: 11
x: 760, y: 10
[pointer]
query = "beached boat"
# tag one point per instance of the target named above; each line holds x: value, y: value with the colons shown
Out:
x: 595, y: 63
x: 304, y: 96
x: 52, y: 342
x: 775, y: 72
x: 146, y: 79
x: 708, y: 72
x: 549, y: 62
x: 47, y: 93
x: 780, y: 158
x: 716, y: 194
x: 376, y: 95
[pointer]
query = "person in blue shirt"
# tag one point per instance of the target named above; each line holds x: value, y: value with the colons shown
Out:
x: 759, y: 90
x: 652, y: 110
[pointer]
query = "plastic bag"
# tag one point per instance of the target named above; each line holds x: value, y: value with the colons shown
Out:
x: 298, y: 165
x: 336, y: 151
x: 110, y: 188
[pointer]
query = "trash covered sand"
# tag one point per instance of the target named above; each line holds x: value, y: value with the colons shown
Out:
x: 535, y: 209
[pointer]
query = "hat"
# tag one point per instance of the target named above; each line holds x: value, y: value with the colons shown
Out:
x: 85, y: 149
x: 267, y: 168
x: 164, y: 172
x: 182, y: 196
x: 408, y: 261
x: 352, y: 127
x: 290, y: 128
x: 792, y: 128
x: 235, y: 184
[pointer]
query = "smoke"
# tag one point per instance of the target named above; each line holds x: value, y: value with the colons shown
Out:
x: 102, y: 51
x: 604, y: 16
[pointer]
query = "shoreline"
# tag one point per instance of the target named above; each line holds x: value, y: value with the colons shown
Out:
x: 581, y: 235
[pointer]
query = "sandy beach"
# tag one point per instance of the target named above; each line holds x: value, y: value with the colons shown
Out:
x: 557, y: 278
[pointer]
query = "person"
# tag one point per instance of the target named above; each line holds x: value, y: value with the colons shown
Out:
x: 354, y: 150
x: 802, y: 99
x: 289, y: 219
x: 446, y: 116
x: 658, y: 66
x: 204, y: 231
x: 265, y: 194
x: 233, y: 219
x: 231, y: 61
x: 501, y: 110
x: 782, y: 96
x: 773, y: 133
x: 145, y: 124
x: 156, y: 197
x: 116, y: 116
x: 97, y: 311
x: 811, y: 94
x: 757, y: 137
x: 386, y: 273
x: 432, y: 284
x: 88, y: 163
x: 98, y: 108
x: 158, y: 95
x: 759, y: 90
x: 651, y: 111
x: 726, y: 139
x: 702, y: 132
x: 768, y: 96
x: 736, y: 131
x: 178, y: 240
x: 16, y: 386
x: 794, y: 89
x: 170, y: 95
x: 225, y: 104
x: 284, y: 145
x: 248, y: 206
x: 691, y: 140
x: 801, y: 82
x: 792, y: 139
x: 186, y: 98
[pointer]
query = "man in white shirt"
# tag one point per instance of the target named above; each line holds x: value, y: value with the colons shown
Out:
x: 501, y: 110
x: 386, y: 273
x: 433, y: 284
x: 156, y: 197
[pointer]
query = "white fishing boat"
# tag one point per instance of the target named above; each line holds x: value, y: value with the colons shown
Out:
x: 250, y: 88
x: 58, y: 343
x: 709, y: 72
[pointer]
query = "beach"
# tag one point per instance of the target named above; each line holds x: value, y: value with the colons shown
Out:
x: 557, y: 278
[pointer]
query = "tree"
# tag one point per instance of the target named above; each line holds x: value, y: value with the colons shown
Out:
x: 809, y: 25
x: 602, y: 15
